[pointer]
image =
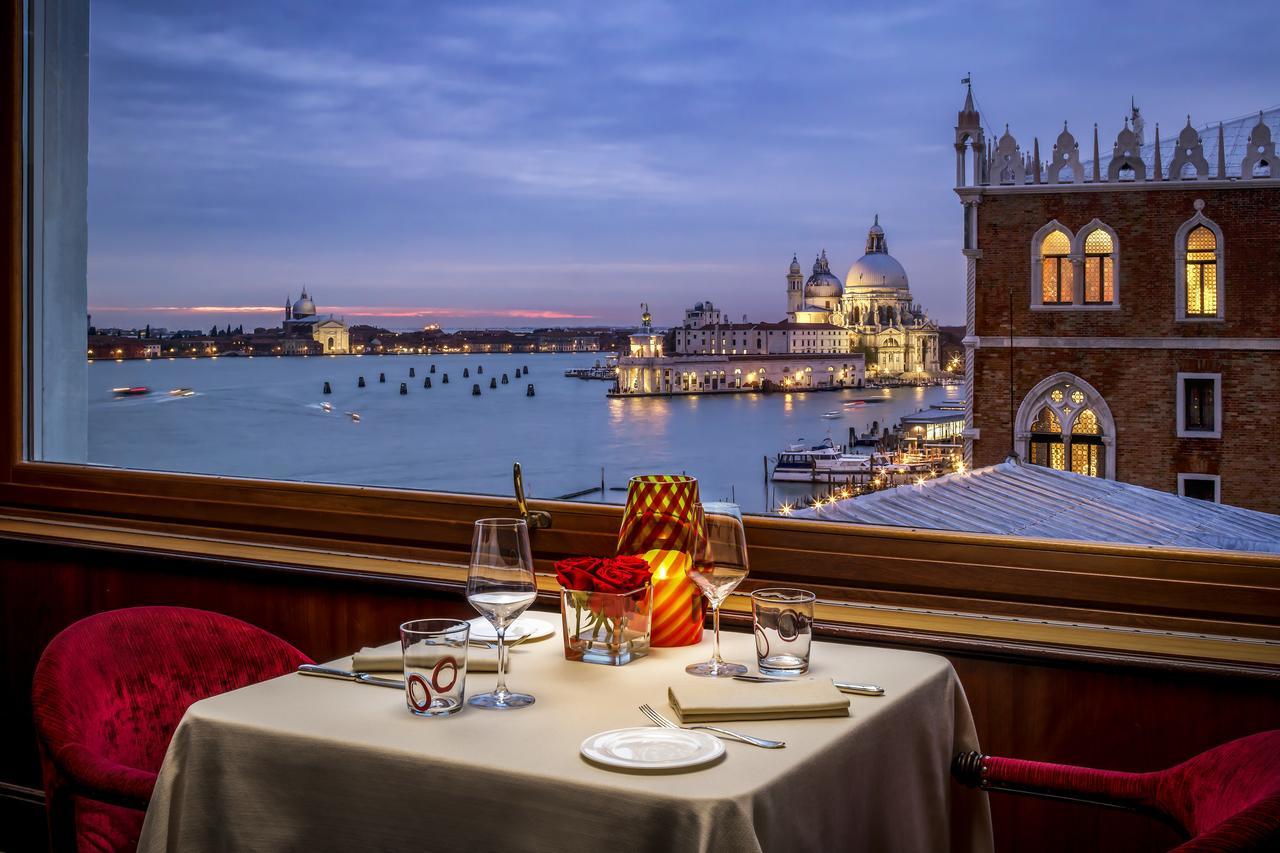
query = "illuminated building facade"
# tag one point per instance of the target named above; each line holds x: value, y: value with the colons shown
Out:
x: 1124, y: 312
x: 737, y: 357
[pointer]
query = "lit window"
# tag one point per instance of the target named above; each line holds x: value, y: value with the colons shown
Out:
x: 1202, y: 273
x: 1099, y: 268
x: 1066, y: 425
x: 1055, y: 269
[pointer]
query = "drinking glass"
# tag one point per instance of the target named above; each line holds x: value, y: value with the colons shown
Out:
x: 435, y: 665
x: 783, y: 628
x: 500, y: 584
x: 718, y: 573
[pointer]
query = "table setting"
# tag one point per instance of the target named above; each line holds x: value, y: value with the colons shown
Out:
x: 611, y: 722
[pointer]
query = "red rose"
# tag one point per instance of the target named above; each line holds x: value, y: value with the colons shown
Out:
x: 578, y: 573
x: 612, y: 577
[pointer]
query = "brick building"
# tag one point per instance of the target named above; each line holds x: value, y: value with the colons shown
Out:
x: 1124, y: 314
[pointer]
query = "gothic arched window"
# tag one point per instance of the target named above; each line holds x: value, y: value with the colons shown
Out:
x: 1099, y: 267
x: 1065, y: 424
x: 1198, y: 254
x: 1055, y: 269
x: 1046, y: 445
x: 1202, y: 273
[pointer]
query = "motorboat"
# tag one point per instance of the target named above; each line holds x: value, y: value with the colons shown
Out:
x: 182, y: 392
x: 327, y: 407
x: 134, y: 391
x: 820, y: 463
x: 832, y: 415
x: 355, y: 416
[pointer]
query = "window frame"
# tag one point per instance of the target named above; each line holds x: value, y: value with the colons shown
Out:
x: 1216, y: 479
x: 1180, y: 268
x: 889, y: 579
x: 1082, y: 237
x: 1037, y: 268
x: 1181, y: 398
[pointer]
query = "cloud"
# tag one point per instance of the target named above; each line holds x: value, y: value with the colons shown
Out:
x: 390, y: 312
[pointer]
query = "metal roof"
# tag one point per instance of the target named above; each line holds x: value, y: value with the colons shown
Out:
x: 1235, y: 139
x: 1030, y: 500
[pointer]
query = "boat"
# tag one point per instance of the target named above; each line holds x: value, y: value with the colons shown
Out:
x: 355, y: 416
x: 328, y: 407
x: 135, y: 391
x: 597, y: 372
x: 182, y: 392
x: 821, y: 463
x: 832, y: 415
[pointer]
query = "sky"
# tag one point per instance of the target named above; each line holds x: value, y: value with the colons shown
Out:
x: 530, y: 163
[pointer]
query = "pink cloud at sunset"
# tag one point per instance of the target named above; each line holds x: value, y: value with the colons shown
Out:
x: 390, y: 311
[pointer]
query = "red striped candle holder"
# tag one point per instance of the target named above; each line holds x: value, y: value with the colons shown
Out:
x: 663, y: 522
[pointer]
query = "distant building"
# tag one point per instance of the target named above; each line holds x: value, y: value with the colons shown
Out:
x: 302, y: 322
x: 1140, y: 295
x: 721, y: 364
x: 874, y: 304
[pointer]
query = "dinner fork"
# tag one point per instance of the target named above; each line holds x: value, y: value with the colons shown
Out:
x: 662, y: 721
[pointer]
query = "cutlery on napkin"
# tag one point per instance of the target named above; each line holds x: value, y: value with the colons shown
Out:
x: 698, y: 700
x: 842, y: 686
x: 389, y: 658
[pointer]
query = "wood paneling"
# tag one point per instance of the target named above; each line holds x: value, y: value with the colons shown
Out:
x: 1129, y: 718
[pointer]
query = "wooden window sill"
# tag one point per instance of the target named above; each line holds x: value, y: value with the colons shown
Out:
x: 927, y: 628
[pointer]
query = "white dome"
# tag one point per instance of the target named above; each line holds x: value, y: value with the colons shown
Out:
x: 876, y: 271
x: 822, y: 283
x: 304, y: 307
x: 877, y: 268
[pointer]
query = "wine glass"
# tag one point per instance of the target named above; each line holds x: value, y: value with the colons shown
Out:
x: 500, y: 584
x: 718, y: 573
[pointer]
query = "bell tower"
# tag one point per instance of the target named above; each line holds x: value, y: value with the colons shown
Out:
x: 969, y: 136
x: 795, y: 286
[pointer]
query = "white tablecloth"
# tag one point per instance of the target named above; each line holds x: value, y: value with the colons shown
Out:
x: 311, y: 764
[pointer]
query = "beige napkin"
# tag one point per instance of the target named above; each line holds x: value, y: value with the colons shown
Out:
x: 702, y: 699
x: 388, y: 659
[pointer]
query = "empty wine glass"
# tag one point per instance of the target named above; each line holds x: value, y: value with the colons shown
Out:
x: 719, y: 571
x: 501, y: 585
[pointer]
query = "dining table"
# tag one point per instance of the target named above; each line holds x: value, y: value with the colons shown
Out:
x: 317, y: 764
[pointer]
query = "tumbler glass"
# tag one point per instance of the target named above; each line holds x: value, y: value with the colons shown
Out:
x: 783, y: 628
x: 435, y: 665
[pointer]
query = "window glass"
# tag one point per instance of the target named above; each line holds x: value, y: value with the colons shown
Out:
x: 1198, y: 399
x: 1202, y: 272
x: 1099, y: 284
x: 406, y: 246
x: 1055, y: 268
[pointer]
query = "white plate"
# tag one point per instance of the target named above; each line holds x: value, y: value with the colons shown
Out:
x: 652, y: 748
x: 525, y: 626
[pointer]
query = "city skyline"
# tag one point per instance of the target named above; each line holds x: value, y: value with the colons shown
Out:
x: 503, y: 165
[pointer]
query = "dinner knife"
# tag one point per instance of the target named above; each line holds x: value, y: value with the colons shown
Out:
x: 348, y: 675
x: 842, y: 686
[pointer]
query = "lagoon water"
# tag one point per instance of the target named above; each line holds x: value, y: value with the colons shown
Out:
x: 262, y: 417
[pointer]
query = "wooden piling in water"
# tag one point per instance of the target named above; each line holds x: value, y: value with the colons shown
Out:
x: 382, y: 377
x: 504, y: 379
x: 412, y: 374
x: 426, y: 383
x: 404, y: 388
x: 493, y: 383
x: 529, y: 391
x: 360, y: 384
x: 475, y: 390
x: 445, y: 380
x: 327, y: 389
x: 466, y: 373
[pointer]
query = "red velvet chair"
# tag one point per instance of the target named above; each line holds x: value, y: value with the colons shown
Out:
x: 1226, y: 800
x: 109, y: 692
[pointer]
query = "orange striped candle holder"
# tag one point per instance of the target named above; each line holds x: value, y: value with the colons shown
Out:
x: 663, y: 523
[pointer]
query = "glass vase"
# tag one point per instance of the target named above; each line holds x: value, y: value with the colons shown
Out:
x: 663, y: 523
x: 606, y: 627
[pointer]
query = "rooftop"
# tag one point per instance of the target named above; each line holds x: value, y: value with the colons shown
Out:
x: 1235, y: 137
x: 1030, y: 500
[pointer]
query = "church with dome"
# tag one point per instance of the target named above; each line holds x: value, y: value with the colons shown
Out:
x: 303, y: 325
x: 874, y: 304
